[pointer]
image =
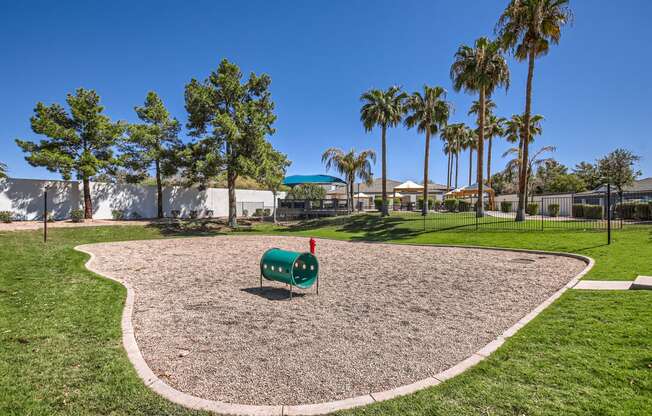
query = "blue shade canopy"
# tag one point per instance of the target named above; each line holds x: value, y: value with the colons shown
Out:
x: 316, y: 179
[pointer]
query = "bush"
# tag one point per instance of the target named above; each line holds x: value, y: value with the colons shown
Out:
x: 245, y: 212
x: 626, y: 210
x: 258, y: 212
x: 209, y: 213
x: 431, y: 202
x: 644, y: 211
x: 118, y: 214
x: 175, y: 213
x: 451, y: 204
x: 463, y: 206
x: 6, y: 216
x: 194, y: 214
x: 267, y: 212
x: 51, y: 217
x: 378, y: 203
x: 593, y: 212
x: 553, y: 210
x: 532, y: 209
x: 578, y: 210
x: 77, y: 215
x: 506, y: 206
x: 136, y: 215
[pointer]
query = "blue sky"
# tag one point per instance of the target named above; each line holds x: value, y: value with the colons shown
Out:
x: 321, y: 55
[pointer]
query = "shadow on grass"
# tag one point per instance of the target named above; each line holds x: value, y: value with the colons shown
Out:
x: 197, y: 227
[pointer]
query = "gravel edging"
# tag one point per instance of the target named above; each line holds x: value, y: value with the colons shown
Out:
x: 163, y: 389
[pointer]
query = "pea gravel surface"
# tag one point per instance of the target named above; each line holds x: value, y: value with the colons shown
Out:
x: 386, y: 315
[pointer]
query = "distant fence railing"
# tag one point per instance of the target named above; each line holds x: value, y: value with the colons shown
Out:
x: 291, y: 209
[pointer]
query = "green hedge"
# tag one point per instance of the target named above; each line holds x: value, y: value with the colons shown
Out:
x: 6, y: 216
x: 451, y: 204
x: 464, y: 206
x: 641, y: 211
x: 553, y: 210
x: 505, y: 206
x: 378, y: 203
x: 431, y: 203
x: 77, y: 215
x: 578, y: 210
x: 532, y: 209
x: 593, y: 212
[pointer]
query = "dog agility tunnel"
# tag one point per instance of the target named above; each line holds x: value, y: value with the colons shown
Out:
x: 296, y: 269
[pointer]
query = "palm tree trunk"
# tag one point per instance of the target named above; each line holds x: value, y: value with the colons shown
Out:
x: 351, y: 194
x: 448, y: 173
x: 425, y: 174
x: 470, y: 164
x: 520, y: 213
x: 159, y: 191
x: 480, y: 145
x: 489, y: 162
x: 457, y: 167
x: 88, y: 202
x: 385, y: 210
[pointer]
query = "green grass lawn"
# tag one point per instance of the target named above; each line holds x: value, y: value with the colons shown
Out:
x: 589, y: 353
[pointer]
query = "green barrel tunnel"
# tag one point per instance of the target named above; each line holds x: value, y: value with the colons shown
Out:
x: 296, y: 269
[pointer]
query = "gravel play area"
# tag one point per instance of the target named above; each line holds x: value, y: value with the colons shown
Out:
x: 386, y: 315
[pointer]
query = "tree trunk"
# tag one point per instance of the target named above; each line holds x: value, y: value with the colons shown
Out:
x: 385, y: 208
x: 159, y: 191
x: 425, y: 174
x: 88, y: 202
x: 520, y: 213
x: 480, y: 146
x: 231, y: 177
x: 489, y: 162
x: 457, y: 167
x: 351, y: 194
x: 470, y: 165
x: 274, y: 206
x: 448, y: 173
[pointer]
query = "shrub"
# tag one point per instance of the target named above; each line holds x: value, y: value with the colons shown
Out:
x: 644, y: 211
x: 267, y: 212
x: 118, y: 214
x: 626, y: 210
x: 77, y: 215
x: 553, y: 210
x: 51, y: 217
x: 136, y: 215
x: 532, y: 209
x: 451, y: 204
x: 245, y: 212
x: 378, y: 203
x: 593, y: 212
x: 209, y: 213
x: 175, y: 213
x: 463, y: 206
x: 6, y: 216
x: 578, y: 210
x: 420, y: 203
x: 505, y: 206
x: 194, y: 214
x: 258, y: 212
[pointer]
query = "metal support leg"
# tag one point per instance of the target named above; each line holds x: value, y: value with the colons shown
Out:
x: 317, y: 285
x: 261, y: 281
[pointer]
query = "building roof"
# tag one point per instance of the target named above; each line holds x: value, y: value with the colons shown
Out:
x: 641, y: 185
x: 376, y: 186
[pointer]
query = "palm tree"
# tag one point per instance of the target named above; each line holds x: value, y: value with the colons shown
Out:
x: 495, y: 128
x: 3, y: 170
x: 351, y: 165
x: 514, y: 131
x: 480, y: 69
x: 527, y: 28
x: 454, y: 136
x: 535, y: 160
x: 384, y: 109
x: 469, y: 141
x: 429, y: 113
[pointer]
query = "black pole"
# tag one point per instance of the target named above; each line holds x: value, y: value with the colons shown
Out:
x: 45, y: 216
x: 608, y: 213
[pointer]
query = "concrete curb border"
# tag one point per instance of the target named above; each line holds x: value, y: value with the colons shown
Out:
x: 160, y: 387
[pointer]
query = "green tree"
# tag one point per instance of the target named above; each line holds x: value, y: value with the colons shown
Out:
x: 454, y: 136
x: 480, y: 69
x: 527, y: 28
x: 3, y: 170
x: 535, y: 160
x: 494, y: 128
x: 617, y: 168
x: 151, y: 144
x: 308, y: 191
x: 231, y: 119
x: 589, y: 174
x: 271, y: 172
x: 567, y: 182
x: 351, y: 165
x: 469, y: 141
x: 429, y: 112
x: 384, y: 109
x: 78, y: 143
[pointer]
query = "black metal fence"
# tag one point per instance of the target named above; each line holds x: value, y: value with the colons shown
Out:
x: 601, y: 210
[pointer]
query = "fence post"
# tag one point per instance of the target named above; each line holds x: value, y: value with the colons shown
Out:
x: 608, y: 213
x: 45, y: 215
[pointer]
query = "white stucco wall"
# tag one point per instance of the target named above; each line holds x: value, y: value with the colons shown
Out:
x: 24, y: 197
